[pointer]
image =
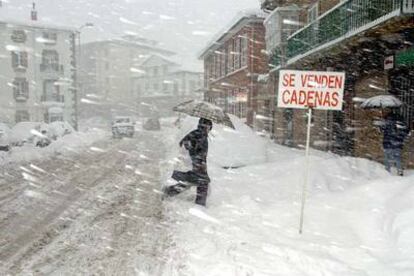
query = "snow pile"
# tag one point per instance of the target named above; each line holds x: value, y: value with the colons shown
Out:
x: 358, y: 220
x: 71, y: 143
x: 229, y: 147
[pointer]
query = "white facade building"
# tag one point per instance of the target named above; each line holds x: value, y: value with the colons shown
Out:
x: 108, y: 67
x: 163, y: 83
x: 37, y: 73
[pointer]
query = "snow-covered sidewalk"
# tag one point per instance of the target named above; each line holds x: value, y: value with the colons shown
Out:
x: 359, y: 220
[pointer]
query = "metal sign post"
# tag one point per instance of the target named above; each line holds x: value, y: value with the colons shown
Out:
x: 305, y: 182
x: 322, y: 90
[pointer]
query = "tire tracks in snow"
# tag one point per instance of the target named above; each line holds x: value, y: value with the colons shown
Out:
x: 128, y: 213
x: 27, y: 226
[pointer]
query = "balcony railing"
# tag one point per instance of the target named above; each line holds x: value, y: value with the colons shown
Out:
x: 55, y: 98
x: 52, y: 67
x: 21, y: 96
x: 346, y: 19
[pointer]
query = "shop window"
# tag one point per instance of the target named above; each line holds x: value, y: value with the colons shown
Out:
x: 22, y: 116
x: 55, y: 117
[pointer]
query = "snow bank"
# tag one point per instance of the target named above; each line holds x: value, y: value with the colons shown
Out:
x: 358, y: 220
x: 228, y: 147
x: 71, y: 143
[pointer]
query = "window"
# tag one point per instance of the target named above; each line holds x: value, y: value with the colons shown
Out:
x: 175, y: 88
x: 51, y: 91
x: 244, y: 51
x: 236, y: 55
x: 214, y: 66
x: 210, y: 67
x: 192, y: 85
x: 313, y: 12
x: 22, y: 116
x: 19, y: 60
x: 49, y: 37
x: 19, y: 36
x: 230, y: 57
x: 223, y: 63
x: 165, y: 69
x: 184, y: 86
x: 218, y: 65
x: 55, y: 117
x: 155, y: 71
x: 20, y: 89
x: 50, y: 60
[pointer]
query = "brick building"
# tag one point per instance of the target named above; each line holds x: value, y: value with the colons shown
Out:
x: 233, y: 64
x: 356, y: 37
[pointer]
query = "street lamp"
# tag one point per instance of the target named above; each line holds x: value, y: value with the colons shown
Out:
x: 76, y: 97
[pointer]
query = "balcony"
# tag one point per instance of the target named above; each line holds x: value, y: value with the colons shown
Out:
x: 21, y: 96
x: 54, y: 98
x: 52, y: 68
x: 345, y: 20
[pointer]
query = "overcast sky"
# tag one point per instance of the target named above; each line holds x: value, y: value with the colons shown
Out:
x: 183, y: 26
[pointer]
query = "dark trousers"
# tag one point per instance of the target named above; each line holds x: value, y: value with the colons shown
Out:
x: 188, y: 179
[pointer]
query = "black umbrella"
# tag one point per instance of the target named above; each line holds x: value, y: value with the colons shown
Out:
x: 381, y: 101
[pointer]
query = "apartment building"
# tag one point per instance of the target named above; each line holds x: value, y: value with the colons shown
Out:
x: 37, y: 73
x: 358, y: 37
x: 234, y: 60
x: 108, y: 67
x: 163, y: 83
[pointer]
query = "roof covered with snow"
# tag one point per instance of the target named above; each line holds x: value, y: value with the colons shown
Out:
x: 242, y: 18
x: 123, y: 41
x: 37, y: 24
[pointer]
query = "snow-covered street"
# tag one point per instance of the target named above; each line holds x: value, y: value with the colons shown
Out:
x: 97, y: 211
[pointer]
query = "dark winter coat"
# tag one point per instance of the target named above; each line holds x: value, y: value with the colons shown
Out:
x: 394, y: 130
x: 196, y: 142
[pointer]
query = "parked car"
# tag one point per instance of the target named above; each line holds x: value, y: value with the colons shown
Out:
x: 59, y: 129
x: 25, y: 132
x: 152, y: 124
x: 123, y: 127
x: 42, y: 140
x: 4, y: 137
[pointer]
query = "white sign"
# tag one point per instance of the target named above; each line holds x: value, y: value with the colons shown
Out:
x: 389, y: 62
x: 316, y: 89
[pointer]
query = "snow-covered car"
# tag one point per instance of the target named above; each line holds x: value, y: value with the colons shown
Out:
x: 25, y: 132
x: 152, y: 124
x: 4, y: 137
x: 123, y: 127
x: 59, y: 129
